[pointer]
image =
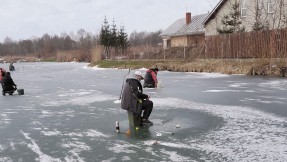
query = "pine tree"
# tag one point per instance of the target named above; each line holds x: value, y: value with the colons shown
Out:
x: 105, y: 36
x: 232, y: 22
x: 114, y: 36
x: 123, y: 40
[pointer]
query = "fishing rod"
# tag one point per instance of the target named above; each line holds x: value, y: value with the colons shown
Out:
x: 123, y: 84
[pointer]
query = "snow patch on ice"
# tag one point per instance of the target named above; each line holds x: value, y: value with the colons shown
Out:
x: 262, y: 101
x: 74, y: 157
x: 227, y: 90
x: 77, y: 147
x: 6, y: 159
x: 117, y: 101
x: 143, y: 69
x: 4, y: 120
x: 51, y: 133
x: 126, y: 158
x: 96, y: 68
x: 123, y: 147
x: 238, y: 85
x: 47, y: 113
x: 79, y: 98
x: 173, y: 156
x: 95, y: 133
x: 278, y: 85
x: 248, y: 134
x: 12, y: 145
x: 208, y: 75
x: 34, y: 147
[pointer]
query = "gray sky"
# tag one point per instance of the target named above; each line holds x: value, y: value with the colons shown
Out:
x: 23, y: 19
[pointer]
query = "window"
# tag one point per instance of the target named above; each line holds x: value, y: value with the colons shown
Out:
x: 271, y: 6
x: 243, y: 8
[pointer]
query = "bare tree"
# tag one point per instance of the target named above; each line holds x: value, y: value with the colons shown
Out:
x: 270, y: 14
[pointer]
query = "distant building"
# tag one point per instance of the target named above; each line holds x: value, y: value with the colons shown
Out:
x: 185, y: 32
x: 254, y: 15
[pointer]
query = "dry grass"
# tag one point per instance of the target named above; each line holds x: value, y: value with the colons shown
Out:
x: 28, y: 58
x: 224, y: 66
x: 73, y: 55
x: 97, y: 53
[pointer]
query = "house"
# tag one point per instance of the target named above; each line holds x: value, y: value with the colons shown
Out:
x: 185, y: 32
x: 254, y: 15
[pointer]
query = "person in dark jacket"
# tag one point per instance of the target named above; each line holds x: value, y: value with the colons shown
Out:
x: 11, y: 67
x: 8, y: 85
x: 134, y: 100
x: 150, y: 79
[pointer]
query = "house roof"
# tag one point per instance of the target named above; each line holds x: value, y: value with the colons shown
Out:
x: 214, y: 11
x: 179, y: 27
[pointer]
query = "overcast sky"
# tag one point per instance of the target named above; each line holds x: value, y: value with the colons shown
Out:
x: 23, y: 19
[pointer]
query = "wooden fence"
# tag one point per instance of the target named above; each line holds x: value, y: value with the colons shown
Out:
x: 262, y: 44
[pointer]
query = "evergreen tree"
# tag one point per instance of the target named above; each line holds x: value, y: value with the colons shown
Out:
x: 123, y: 40
x: 232, y: 22
x: 114, y: 36
x: 105, y: 36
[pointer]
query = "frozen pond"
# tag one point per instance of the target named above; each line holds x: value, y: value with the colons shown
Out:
x: 68, y: 113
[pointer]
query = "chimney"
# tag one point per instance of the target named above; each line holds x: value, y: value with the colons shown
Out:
x: 188, y: 18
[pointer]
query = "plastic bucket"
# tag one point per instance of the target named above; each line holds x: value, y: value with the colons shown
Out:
x: 20, y: 91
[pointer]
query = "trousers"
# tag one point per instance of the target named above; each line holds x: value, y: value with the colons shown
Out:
x: 147, y: 107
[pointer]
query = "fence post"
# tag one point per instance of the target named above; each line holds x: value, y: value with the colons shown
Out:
x: 184, y: 52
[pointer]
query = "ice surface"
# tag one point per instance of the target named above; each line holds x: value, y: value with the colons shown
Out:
x: 69, y: 110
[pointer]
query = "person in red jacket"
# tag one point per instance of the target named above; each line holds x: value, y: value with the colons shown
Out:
x: 2, y: 74
x: 150, y: 79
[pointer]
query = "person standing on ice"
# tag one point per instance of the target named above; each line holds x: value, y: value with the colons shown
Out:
x: 134, y: 100
x: 150, y: 79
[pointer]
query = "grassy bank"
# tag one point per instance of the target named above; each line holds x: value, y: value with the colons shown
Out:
x: 224, y: 66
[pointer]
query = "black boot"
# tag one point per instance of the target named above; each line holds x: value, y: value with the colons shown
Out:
x: 146, y: 122
x: 3, y: 93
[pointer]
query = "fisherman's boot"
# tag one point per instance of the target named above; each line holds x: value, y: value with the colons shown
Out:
x: 146, y: 121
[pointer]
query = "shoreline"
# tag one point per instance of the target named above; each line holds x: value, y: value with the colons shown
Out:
x: 253, y: 67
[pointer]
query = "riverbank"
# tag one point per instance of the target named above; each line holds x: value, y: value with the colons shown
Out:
x: 225, y: 66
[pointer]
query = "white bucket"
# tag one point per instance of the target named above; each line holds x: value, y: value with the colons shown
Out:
x: 159, y: 84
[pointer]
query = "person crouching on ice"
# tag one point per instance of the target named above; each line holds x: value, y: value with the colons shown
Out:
x: 2, y: 74
x: 150, y: 79
x: 134, y: 100
x: 8, y: 85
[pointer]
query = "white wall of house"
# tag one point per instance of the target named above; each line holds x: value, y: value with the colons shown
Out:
x: 271, y: 13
